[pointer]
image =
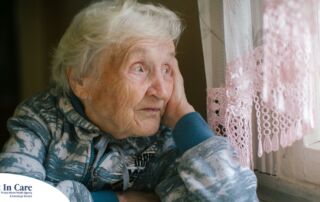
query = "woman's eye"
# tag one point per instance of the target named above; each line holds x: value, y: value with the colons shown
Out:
x: 165, y: 69
x: 138, y: 68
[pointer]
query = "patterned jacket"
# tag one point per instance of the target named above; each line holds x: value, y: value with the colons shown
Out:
x: 52, y: 140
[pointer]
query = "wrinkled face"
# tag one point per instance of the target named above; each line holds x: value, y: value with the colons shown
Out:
x: 130, y: 96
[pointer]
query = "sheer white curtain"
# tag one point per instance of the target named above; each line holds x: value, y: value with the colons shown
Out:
x: 242, y: 102
x: 229, y: 30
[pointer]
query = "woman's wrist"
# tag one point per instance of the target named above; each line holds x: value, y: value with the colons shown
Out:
x: 179, y: 113
x: 190, y: 130
x: 132, y: 196
x: 120, y: 196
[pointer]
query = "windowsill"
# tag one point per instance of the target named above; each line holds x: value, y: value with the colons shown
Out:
x: 311, y: 159
x: 312, y: 140
x: 314, y: 146
x: 276, y: 189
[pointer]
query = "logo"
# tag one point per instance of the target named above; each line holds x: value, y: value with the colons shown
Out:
x: 17, y: 190
x: 25, y: 189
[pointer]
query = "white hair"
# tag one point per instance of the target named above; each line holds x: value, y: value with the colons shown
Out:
x: 102, y: 24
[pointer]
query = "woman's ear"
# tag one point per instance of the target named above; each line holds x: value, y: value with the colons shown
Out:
x: 77, y: 85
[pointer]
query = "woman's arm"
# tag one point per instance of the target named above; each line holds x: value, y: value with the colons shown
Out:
x: 207, y: 169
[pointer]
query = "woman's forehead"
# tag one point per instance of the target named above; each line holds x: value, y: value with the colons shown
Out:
x: 144, y: 47
x: 122, y: 53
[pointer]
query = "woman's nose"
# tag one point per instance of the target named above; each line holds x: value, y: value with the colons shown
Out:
x: 157, y: 86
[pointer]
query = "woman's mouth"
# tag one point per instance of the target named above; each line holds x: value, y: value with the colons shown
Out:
x: 151, y: 109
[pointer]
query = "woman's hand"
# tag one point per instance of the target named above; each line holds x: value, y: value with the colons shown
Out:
x: 178, y: 104
x: 132, y: 196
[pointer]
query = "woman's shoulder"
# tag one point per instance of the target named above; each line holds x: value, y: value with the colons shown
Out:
x: 37, y: 114
x: 43, y: 102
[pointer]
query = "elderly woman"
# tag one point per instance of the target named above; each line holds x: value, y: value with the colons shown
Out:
x: 116, y: 125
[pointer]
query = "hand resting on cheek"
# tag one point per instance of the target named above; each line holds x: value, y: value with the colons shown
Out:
x: 178, y: 105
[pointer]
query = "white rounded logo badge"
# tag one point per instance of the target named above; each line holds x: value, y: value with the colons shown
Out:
x: 18, y: 188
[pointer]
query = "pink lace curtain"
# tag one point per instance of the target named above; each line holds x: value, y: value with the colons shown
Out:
x: 272, y: 85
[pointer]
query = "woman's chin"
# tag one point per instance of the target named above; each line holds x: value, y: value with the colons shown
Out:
x: 148, y: 131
